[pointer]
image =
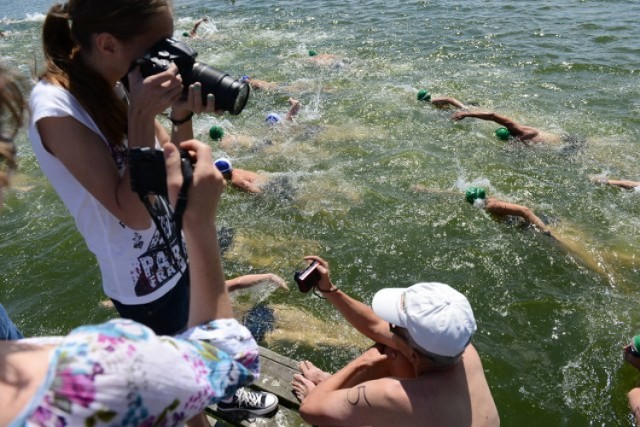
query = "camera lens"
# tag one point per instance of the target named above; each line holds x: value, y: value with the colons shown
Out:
x: 231, y: 95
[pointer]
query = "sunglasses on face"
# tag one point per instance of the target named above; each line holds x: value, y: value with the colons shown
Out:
x: 396, y: 330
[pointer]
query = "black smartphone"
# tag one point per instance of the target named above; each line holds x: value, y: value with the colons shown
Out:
x: 307, y: 278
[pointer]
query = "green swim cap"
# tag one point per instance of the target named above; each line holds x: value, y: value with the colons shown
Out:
x: 474, y: 193
x: 216, y: 133
x: 423, y: 95
x: 312, y: 52
x: 503, y: 134
x: 185, y: 34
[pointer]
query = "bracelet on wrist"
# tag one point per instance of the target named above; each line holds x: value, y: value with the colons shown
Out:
x: 334, y: 289
x: 182, y: 121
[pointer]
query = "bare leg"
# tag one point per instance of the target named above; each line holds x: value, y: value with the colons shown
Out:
x: 301, y: 386
x: 312, y: 373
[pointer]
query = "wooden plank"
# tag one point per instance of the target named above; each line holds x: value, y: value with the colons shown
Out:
x: 276, y: 372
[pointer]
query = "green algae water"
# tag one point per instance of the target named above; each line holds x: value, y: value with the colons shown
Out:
x: 552, y: 319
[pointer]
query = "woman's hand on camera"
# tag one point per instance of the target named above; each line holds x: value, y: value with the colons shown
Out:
x: 194, y: 104
x: 154, y: 94
x: 324, y: 284
x: 206, y: 186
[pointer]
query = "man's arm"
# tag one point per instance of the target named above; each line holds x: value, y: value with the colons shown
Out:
x: 359, y: 315
x: 372, y: 400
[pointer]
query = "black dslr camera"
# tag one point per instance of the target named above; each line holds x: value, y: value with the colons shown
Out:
x: 147, y: 170
x: 307, y: 278
x: 231, y: 95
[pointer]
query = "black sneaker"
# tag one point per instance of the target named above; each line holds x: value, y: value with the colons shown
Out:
x: 251, y: 402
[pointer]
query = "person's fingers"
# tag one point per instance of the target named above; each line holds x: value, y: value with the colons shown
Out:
x: 174, y: 172
x: 279, y: 281
x: 203, y: 156
x: 317, y: 258
x: 210, y: 105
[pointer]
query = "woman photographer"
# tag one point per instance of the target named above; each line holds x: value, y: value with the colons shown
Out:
x: 120, y: 372
x: 82, y: 123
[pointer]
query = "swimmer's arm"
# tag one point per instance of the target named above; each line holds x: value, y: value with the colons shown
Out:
x: 293, y: 111
x: 513, y: 127
x: 498, y: 207
x: 250, y: 280
x: 623, y: 183
x: 447, y: 101
x: 196, y: 25
x: 245, y: 181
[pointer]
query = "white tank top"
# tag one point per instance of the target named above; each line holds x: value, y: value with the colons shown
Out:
x: 134, y: 263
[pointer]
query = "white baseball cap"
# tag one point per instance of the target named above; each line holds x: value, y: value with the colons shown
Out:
x: 438, y: 318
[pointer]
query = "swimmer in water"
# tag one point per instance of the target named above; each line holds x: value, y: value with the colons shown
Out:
x: 575, y: 247
x: 478, y: 197
x: 513, y: 130
x: 193, y: 33
x: 629, y: 185
x: 273, y: 118
x: 258, y: 84
x: 324, y: 59
x: 240, y: 179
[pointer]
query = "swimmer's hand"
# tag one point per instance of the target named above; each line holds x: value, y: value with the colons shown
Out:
x: 251, y: 280
x: 279, y: 281
x: 598, y: 179
x: 459, y: 115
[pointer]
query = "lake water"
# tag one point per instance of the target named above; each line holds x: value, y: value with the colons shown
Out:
x: 550, y: 329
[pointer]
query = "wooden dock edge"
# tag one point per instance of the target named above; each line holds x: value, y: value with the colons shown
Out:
x: 276, y: 373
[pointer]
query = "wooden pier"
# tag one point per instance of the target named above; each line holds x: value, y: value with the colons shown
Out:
x: 276, y: 373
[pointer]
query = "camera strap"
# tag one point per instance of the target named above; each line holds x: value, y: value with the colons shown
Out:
x: 181, y: 203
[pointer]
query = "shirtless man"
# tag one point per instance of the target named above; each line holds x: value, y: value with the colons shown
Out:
x: 511, y: 129
x: 423, y: 371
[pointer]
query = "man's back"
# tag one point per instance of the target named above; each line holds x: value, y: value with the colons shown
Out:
x: 459, y: 396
